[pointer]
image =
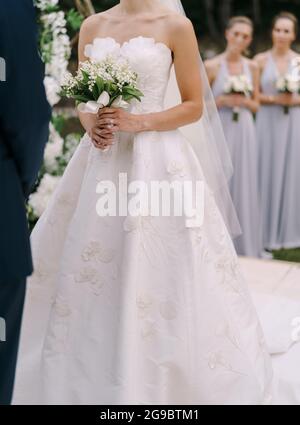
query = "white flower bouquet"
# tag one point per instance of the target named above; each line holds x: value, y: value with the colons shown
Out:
x: 238, y: 84
x: 109, y: 82
x: 288, y: 83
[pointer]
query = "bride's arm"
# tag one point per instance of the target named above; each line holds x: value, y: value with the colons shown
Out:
x: 90, y: 122
x: 187, y: 68
x: 186, y: 63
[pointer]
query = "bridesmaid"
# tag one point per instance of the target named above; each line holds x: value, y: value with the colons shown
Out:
x: 240, y: 134
x: 279, y: 142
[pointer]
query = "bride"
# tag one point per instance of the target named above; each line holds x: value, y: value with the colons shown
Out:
x: 142, y: 309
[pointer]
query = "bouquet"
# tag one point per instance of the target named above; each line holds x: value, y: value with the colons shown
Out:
x: 238, y: 84
x: 288, y: 83
x: 110, y: 82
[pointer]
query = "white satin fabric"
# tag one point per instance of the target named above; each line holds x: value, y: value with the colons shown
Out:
x: 137, y: 310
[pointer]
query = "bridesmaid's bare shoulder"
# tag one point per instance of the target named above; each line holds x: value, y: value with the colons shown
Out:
x: 212, y: 66
x: 295, y: 54
x: 214, y: 62
x: 261, y: 59
x: 253, y: 65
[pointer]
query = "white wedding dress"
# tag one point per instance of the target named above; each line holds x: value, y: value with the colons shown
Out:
x: 137, y: 310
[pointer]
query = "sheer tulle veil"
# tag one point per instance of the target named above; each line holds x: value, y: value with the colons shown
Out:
x: 207, y: 139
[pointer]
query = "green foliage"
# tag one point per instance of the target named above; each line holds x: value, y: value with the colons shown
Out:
x: 58, y: 121
x: 74, y: 19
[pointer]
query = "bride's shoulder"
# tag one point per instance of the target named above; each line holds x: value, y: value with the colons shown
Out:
x: 92, y: 22
x: 180, y: 32
x: 179, y: 23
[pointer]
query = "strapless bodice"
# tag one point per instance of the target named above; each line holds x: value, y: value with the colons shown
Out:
x: 150, y: 59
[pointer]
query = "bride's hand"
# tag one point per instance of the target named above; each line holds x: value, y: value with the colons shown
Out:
x: 101, y: 138
x: 119, y: 119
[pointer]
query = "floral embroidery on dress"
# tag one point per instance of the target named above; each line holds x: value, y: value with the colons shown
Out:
x: 224, y: 330
x: 40, y: 272
x: 176, y: 168
x: 61, y: 308
x: 132, y: 223
x: 65, y: 200
x: 204, y: 255
x: 63, y: 203
x: 198, y: 235
x: 168, y: 309
x: 148, y: 328
x: 217, y: 359
x: 261, y: 338
x: 228, y: 267
x: 113, y: 377
x: 59, y: 331
x: 94, y: 251
x: 90, y: 276
x: 101, y: 47
x: 144, y: 303
x: 152, y: 238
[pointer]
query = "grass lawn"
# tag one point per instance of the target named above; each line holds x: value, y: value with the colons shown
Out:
x: 287, y: 255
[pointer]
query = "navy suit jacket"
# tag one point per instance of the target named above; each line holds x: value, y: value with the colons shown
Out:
x: 24, y: 130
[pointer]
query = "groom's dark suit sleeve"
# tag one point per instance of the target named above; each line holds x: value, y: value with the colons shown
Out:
x: 24, y: 110
x: 24, y: 123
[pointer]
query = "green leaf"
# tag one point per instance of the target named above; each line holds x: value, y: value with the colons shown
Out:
x: 95, y: 91
x: 81, y: 98
x: 100, y: 84
x: 113, y: 98
x: 85, y: 76
x: 127, y: 97
x: 132, y: 91
x: 114, y: 87
x: 74, y: 19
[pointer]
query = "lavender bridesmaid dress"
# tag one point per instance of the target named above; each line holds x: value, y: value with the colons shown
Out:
x: 279, y: 170
x: 242, y: 142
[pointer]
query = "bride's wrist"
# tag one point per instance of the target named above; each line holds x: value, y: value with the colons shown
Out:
x: 143, y: 122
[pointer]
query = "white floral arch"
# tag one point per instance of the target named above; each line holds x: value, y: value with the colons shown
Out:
x: 55, y: 51
x: 55, y: 46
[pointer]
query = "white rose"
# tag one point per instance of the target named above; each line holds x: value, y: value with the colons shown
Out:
x: 281, y: 84
x: 40, y: 199
x: 92, y: 106
x: 227, y: 87
x: 120, y: 103
x: 52, y: 151
x: 292, y: 84
x: 238, y: 86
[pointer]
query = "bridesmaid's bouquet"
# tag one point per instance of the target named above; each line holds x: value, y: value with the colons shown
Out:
x: 288, y: 83
x: 110, y: 82
x: 238, y: 84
